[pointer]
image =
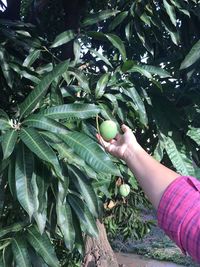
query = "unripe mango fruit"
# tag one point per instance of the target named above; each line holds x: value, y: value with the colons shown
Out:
x: 108, y: 130
x: 124, y: 190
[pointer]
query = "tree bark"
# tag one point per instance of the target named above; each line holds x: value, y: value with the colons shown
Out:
x: 98, y: 252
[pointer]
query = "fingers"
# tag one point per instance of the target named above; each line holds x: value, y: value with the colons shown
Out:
x: 117, y: 137
x: 125, y: 128
x: 108, y: 146
x: 102, y: 141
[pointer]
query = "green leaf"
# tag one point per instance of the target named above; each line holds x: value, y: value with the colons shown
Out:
x: 85, y: 188
x: 197, y: 173
x: 159, y: 150
x: 43, y: 175
x: 100, y: 56
x: 8, y: 142
x: 36, y: 260
x: 127, y: 65
x: 133, y: 182
x: 128, y: 31
x: 42, y: 122
x: 68, y: 154
x: 51, y: 138
x: 170, y: 11
x: 84, y: 215
x: 20, y: 252
x: 97, y: 35
x: 16, y: 227
x: 179, y: 158
x: 137, y: 104
x: 113, y: 100
x: 77, y: 51
x: 97, y: 17
x: 25, y: 72
x: 3, y: 181
x: 118, y: 43
x: 117, y: 20
x: 141, y: 70
x: 90, y: 151
x: 179, y: 7
x: 43, y: 246
x: 144, y: 38
x: 63, y: 38
x: 11, y: 175
x: 44, y: 68
x: 35, y: 96
x: 17, y: 24
x: 192, y: 56
x: 101, y: 85
x: 4, y: 114
x: 34, y: 141
x: 40, y: 183
x: 7, y: 256
x: 106, y: 112
x: 76, y: 110
x: 64, y: 218
x: 194, y: 134
x: 31, y: 58
x: 5, y: 67
x: 156, y: 71
x: 82, y: 79
x: 4, y: 123
x: 171, y: 29
x: 146, y: 70
x: 1, y: 260
x: 39, y: 215
x: 146, y: 19
x: 56, y: 97
x: 79, y: 242
x: 23, y: 175
x: 3, y: 164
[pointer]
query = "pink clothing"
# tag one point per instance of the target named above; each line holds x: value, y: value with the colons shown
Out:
x: 179, y: 214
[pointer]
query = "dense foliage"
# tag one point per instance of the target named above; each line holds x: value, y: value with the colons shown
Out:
x: 130, y: 61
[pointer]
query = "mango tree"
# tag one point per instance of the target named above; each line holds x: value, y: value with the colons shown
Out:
x: 65, y: 68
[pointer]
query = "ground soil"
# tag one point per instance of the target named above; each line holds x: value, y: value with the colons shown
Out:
x: 132, y: 260
x: 155, y: 245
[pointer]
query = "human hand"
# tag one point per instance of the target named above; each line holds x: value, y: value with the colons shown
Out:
x: 122, y: 145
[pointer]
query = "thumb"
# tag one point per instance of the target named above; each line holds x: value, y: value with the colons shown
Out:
x: 125, y: 128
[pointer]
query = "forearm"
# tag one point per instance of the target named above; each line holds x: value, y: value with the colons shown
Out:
x: 153, y: 177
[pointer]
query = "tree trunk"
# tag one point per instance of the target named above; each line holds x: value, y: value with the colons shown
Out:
x: 98, y: 252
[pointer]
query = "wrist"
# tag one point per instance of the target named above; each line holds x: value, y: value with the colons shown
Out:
x: 131, y: 152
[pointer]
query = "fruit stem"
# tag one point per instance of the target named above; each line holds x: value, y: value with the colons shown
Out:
x: 98, y: 130
x: 97, y: 124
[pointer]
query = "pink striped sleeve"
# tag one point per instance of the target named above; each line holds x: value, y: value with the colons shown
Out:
x: 179, y: 214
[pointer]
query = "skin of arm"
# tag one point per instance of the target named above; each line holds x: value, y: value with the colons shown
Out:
x: 152, y: 176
